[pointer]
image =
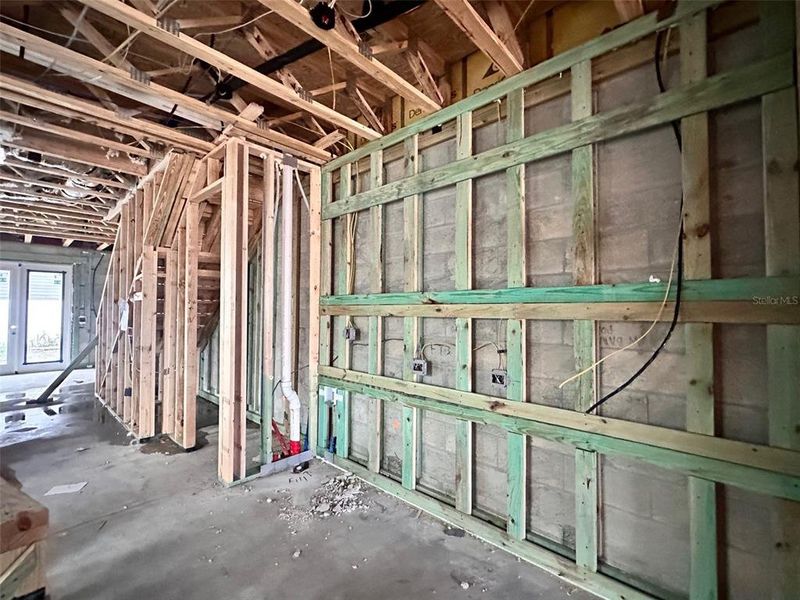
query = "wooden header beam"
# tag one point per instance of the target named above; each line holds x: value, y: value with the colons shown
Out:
x: 348, y: 49
x: 180, y: 41
x: 486, y: 40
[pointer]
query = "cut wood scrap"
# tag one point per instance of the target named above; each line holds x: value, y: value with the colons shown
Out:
x: 23, y: 520
x: 358, y: 99
x: 348, y: 49
x: 195, y: 48
x: 487, y: 41
x: 501, y: 22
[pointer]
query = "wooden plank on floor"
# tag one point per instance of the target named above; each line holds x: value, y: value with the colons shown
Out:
x: 516, y: 329
x: 464, y: 429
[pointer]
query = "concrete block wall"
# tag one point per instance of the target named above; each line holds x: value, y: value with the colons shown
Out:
x: 644, y: 510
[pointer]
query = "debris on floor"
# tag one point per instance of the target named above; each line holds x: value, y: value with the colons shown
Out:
x: 68, y: 488
x: 339, y: 495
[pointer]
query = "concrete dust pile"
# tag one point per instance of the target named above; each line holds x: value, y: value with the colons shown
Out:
x: 339, y: 495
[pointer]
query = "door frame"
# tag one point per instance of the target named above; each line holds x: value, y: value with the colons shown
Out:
x: 18, y: 312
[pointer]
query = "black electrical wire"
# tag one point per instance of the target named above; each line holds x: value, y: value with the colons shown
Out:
x: 679, y: 285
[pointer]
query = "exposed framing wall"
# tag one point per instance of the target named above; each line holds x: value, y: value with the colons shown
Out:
x: 707, y: 459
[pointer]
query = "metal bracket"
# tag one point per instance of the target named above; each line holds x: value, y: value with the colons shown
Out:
x: 168, y: 24
x: 139, y: 76
x: 364, y: 49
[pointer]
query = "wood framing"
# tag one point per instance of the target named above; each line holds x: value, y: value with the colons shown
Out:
x: 462, y: 13
x: 348, y: 49
x: 180, y: 41
x: 699, y: 452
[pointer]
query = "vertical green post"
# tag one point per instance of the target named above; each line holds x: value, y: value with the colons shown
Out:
x: 344, y: 254
x: 463, y: 281
x: 515, y: 334
x: 323, y: 409
x: 782, y: 236
x: 699, y: 337
x: 412, y: 282
x: 584, y: 331
x: 375, y: 361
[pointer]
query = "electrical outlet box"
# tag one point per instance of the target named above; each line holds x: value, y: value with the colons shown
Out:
x: 500, y: 377
x: 419, y: 366
x: 350, y: 333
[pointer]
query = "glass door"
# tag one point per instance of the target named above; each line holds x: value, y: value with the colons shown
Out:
x: 35, y: 317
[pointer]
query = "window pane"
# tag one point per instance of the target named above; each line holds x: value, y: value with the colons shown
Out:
x: 5, y: 281
x: 44, y: 323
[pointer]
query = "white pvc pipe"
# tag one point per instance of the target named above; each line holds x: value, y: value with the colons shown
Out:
x: 287, y: 259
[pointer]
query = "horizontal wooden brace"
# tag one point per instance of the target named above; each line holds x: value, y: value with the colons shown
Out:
x: 744, y: 288
x: 775, y: 471
x: 691, y: 312
x: 621, y: 36
x: 727, y: 88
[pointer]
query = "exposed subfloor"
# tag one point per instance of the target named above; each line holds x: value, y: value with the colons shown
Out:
x: 155, y: 523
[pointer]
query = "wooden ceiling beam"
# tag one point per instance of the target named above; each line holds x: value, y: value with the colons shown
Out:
x: 31, y: 166
x: 358, y: 99
x: 95, y: 38
x: 78, y: 236
x: 398, y: 31
x: 187, y: 44
x: 74, y: 134
x: 503, y: 25
x: 628, y: 10
x: 54, y: 222
x: 59, y: 147
x: 49, y: 208
x: 476, y: 29
x: 348, y: 49
x: 39, y: 97
x: 56, y: 186
x: 114, y: 79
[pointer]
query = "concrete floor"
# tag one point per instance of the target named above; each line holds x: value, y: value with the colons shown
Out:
x: 153, y: 522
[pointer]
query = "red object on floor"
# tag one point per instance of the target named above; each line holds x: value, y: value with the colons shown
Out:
x: 294, y: 448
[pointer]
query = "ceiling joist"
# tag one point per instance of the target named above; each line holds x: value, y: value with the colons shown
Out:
x: 348, y: 49
x: 114, y: 79
x: 187, y: 44
x: 476, y: 29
